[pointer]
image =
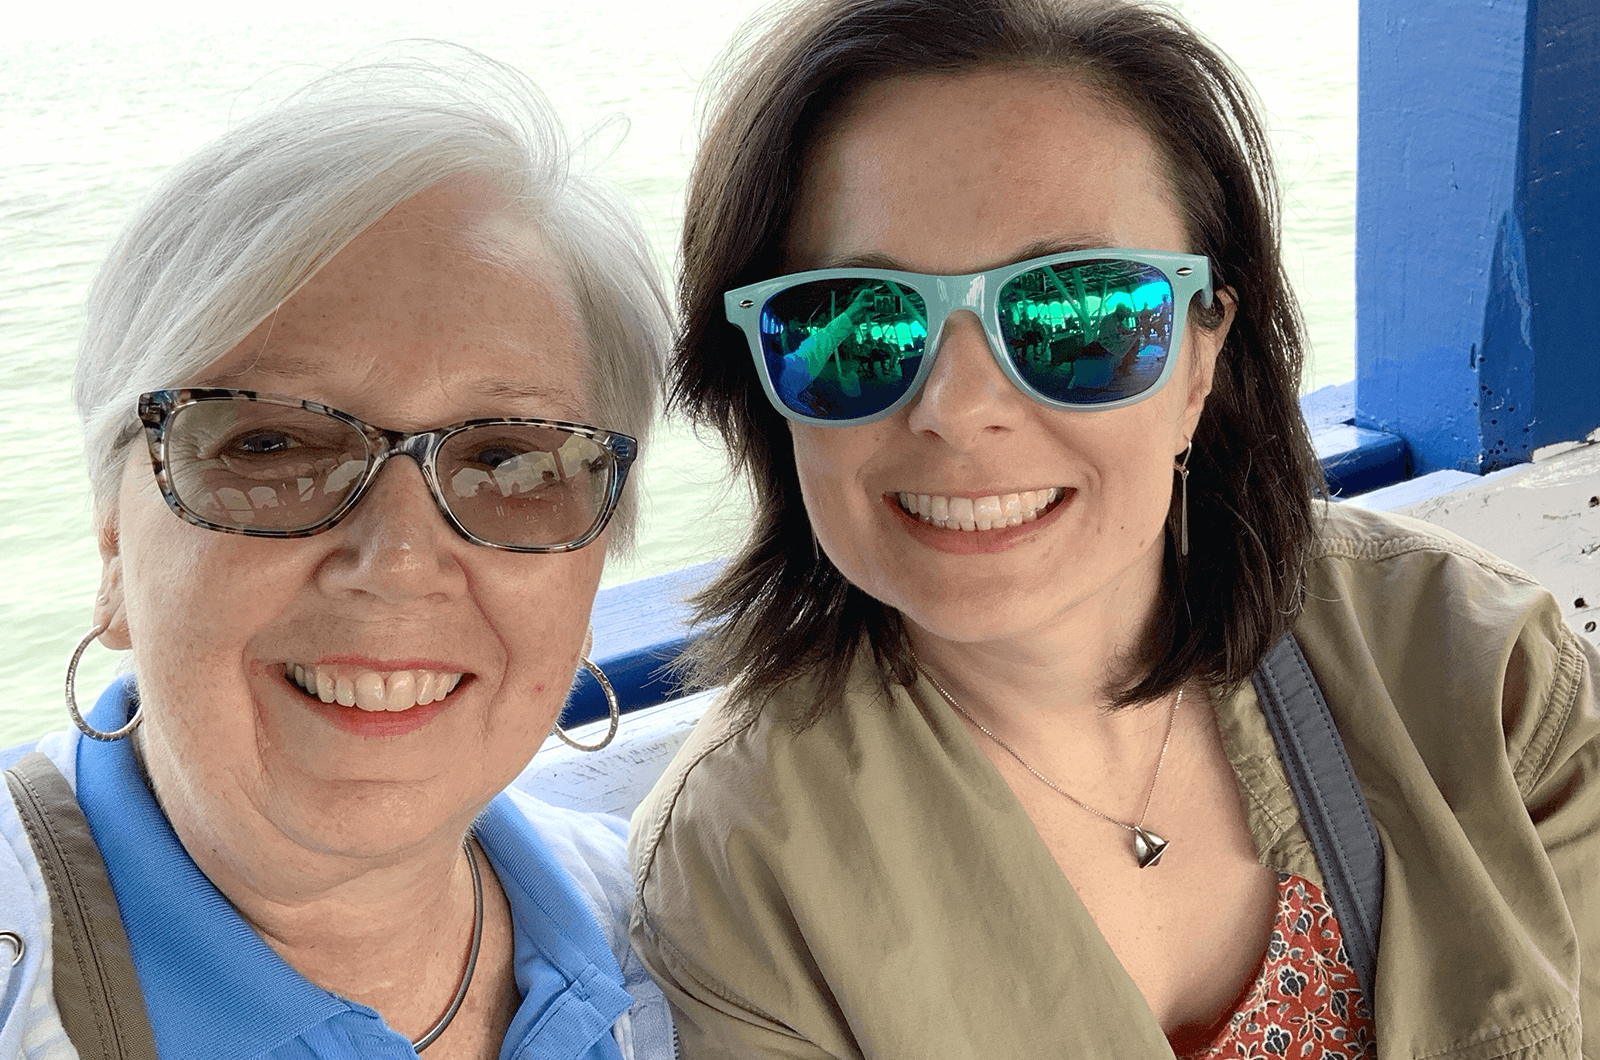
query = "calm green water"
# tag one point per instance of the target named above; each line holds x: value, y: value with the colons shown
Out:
x: 101, y: 98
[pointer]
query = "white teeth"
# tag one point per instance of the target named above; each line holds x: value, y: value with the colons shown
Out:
x: 979, y: 513
x: 370, y: 690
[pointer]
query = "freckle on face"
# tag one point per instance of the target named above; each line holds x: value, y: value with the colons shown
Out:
x: 957, y: 173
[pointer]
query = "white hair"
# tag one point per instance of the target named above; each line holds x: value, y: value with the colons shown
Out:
x: 233, y: 231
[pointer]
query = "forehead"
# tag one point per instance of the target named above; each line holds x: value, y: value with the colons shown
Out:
x: 961, y: 172
x: 450, y: 306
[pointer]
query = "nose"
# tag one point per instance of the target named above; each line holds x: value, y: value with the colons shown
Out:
x: 396, y: 545
x: 966, y: 395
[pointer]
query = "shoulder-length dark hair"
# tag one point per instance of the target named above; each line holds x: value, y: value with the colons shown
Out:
x: 779, y: 610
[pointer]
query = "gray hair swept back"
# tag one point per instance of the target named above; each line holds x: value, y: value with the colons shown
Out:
x: 237, y: 228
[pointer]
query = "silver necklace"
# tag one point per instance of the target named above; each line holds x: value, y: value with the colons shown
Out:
x: 1147, y: 846
x: 472, y: 954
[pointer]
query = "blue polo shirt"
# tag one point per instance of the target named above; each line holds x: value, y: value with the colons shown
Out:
x: 214, y: 989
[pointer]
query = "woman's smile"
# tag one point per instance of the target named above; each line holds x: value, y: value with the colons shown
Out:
x: 376, y: 698
x: 374, y: 690
x: 949, y: 508
x: 994, y: 511
x: 966, y: 525
x: 388, y: 623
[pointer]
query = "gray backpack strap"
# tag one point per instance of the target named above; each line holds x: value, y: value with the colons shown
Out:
x: 96, y: 989
x: 1336, y: 815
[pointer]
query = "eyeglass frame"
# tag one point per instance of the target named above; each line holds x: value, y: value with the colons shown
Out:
x: 157, y: 408
x: 1187, y: 274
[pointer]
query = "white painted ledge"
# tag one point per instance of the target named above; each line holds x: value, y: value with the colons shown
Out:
x: 1543, y: 516
x: 617, y: 778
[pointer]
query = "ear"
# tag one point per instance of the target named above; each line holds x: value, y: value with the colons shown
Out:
x: 109, y: 609
x: 1205, y: 346
x: 588, y: 643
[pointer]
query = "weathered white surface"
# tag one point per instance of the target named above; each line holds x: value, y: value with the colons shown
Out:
x: 1543, y: 516
x: 616, y: 779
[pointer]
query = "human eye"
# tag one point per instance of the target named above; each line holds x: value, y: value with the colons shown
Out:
x: 491, y: 455
x: 261, y: 443
x: 256, y: 439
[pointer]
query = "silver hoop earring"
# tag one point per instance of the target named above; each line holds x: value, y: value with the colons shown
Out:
x: 1182, y: 468
x: 611, y: 704
x: 72, y: 695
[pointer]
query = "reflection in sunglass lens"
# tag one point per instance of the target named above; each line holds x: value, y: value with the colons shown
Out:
x: 841, y: 349
x: 523, y: 485
x: 254, y: 465
x: 1088, y: 332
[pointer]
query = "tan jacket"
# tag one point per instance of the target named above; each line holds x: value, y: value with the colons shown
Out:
x: 872, y: 888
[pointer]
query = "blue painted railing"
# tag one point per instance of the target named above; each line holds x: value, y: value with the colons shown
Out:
x: 1478, y: 227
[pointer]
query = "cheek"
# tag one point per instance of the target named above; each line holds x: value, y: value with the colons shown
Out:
x: 1135, y: 462
x: 541, y: 615
x: 184, y: 585
x: 825, y: 464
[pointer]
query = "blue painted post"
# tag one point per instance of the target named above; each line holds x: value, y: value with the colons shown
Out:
x: 1478, y: 227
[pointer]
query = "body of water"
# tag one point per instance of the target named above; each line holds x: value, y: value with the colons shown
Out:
x: 101, y: 99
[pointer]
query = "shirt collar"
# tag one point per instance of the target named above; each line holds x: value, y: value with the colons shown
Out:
x: 200, y: 965
x: 556, y: 932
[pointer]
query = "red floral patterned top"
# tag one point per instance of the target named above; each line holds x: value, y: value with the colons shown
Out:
x: 1305, y: 1003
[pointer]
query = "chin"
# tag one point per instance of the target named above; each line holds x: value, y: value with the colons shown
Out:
x: 370, y: 819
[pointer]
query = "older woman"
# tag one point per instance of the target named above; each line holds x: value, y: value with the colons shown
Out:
x: 362, y: 384
x: 1009, y: 756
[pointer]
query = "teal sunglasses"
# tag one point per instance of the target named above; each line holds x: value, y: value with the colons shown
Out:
x: 1089, y: 329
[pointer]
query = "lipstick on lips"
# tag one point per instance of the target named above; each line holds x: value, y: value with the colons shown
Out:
x: 388, y: 698
x: 992, y: 512
x: 991, y: 523
x: 373, y: 690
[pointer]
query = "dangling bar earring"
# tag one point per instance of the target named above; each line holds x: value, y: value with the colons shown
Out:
x: 1182, y: 468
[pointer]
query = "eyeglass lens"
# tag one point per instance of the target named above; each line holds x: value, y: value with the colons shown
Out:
x: 254, y: 465
x: 1081, y: 333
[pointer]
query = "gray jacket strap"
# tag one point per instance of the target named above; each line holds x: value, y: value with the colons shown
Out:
x: 96, y: 989
x: 1342, y: 833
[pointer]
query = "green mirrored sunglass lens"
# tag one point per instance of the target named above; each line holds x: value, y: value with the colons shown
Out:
x: 843, y: 349
x: 1088, y: 332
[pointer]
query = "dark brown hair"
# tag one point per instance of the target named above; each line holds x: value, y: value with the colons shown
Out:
x: 778, y: 610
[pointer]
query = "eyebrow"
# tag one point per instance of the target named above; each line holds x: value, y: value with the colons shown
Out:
x: 516, y: 391
x: 1039, y: 249
x: 303, y: 370
x: 281, y: 366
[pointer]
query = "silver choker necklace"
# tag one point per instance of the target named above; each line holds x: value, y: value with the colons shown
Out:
x: 472, y: 954
x: 1147, y: 846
